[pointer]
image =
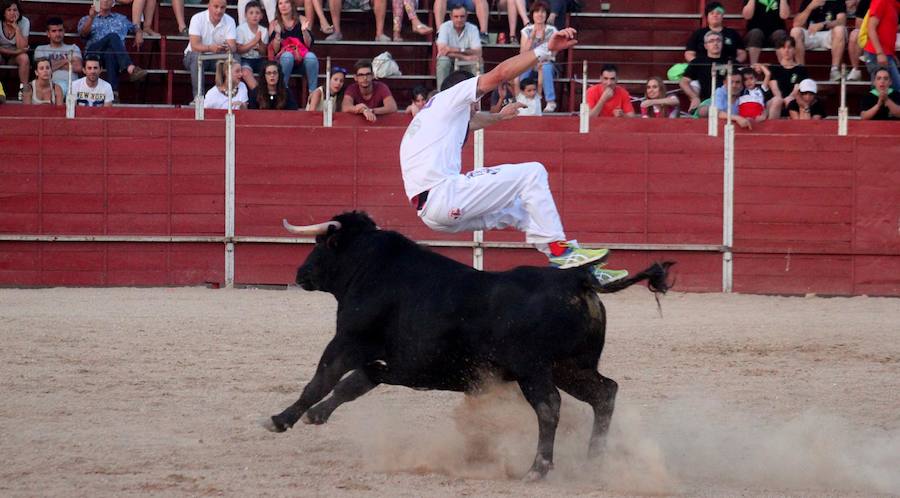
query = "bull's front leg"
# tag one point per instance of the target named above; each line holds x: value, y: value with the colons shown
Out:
x: 339, y: 358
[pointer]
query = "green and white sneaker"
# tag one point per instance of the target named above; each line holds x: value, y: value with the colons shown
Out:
x: 607, y: 276
x: 578, y: 256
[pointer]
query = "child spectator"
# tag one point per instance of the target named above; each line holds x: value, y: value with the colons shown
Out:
x: 316, y: 101
x: 91, y: 91
x: 530, y: 98
x: 217, y: 96
x: 420, y: 96
x: 534, y: 35
x: 882, y: 102
x: 42, y: 90
x: 408, y: 6
x: 366, y: 96
x: 501, y: 96
x: 807, y: 105
x: 14, y: 39
x: 607, y: 99
x: 271, y: 93
x: 754, y: 99
x: 732, y: 43
x: 786, y: 77
x: 822, y: 24
x: 58, y: 53
x: 656, y: 103
x: 291, y: 44
x: 251, y: 42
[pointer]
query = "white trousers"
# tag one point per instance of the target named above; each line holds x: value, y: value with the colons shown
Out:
x: 509, y: 195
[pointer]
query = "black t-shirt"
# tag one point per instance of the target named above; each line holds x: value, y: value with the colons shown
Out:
x: 289, y: 105
x: 827, y: 12
x: 731, y: 42
x: 869, y: 100
x: 787, y: 78
x: 769, y: 21
x: 700, y: 69
x: 817, y: 108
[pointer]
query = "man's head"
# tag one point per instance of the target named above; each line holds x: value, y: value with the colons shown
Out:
x: 737, y: 84
x: 881, y: 80
x: 455, y: 78
x: 252, y: 12
x: 92, y: 69
x: 748, y: 77
x: 609, y: 75
x: 712, y: 42
x: 715, y: 13
x: 458, y: 17
x: 364, y: 73
x: 529, y: 87
x: 216, y: 10
x: 55, y: 31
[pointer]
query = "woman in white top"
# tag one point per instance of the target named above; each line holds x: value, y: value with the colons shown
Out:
x: 533, y: 36
x: 316, y: 100
x: 42, y: 90
x: 14, y: 38
x: 217, y: 96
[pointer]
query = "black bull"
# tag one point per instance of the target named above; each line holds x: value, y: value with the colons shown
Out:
x: 408, y: 316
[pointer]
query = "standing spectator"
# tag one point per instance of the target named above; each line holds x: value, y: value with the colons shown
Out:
x: 42, y: 90
x: 857, y: 10
x: 732, y: 44
x: 379, y: 10
x: 530, y: 98
x: 366, y: 96
x: 880, y: 49
x: 58, y: 53
x: 608, y: 99
x: 807, y: 105
x: 408, y: 6
x: 882, y: 102
x: 723, y: 104
x: 534, y: 35
x: 91, y: 91
x: 765, y: 24
x: 656, y: 103
x: 105, y: 33
x: 211, y: 32
x: 14, y: 39
x: 316, y: 101
x: 696, y: 82
x: 822, y: 24
x: 420, y: 96
x: 786, y: 76
x: 458, y: 45
x: 292, y: 43
x: 217, y: 96
x: 480, y: 7
x: 251, y: 41
x: 272, y: 94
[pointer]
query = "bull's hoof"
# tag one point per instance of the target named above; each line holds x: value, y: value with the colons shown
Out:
x: 538, y: 470
x: 273, y: 425
x: 314, y: 417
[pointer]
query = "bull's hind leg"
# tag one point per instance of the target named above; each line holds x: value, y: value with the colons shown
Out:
x: 544, y: 398
x: 351, y: 387
x: 596, y: 390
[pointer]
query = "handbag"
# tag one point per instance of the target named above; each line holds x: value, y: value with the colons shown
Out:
x: 384, y: 66
x: 291, y: 45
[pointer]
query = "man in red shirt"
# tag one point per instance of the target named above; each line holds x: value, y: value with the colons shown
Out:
x: 880, y: 49
x: 608, y: 99
x: 367, y: 96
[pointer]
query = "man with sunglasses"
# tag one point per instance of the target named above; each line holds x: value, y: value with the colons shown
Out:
x: 366, y: 96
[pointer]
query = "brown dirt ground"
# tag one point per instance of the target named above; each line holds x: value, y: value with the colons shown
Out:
x: 126, y: 392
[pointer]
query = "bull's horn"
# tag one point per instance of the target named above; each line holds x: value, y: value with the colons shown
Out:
x: 311, y: 229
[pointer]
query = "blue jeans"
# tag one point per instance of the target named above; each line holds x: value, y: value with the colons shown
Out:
x: 310, y: 68
x: 872, y: 64
x: 547, y: 69
x: 111, y: 50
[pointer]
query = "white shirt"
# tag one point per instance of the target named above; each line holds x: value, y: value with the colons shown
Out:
x: 534, y: 105
x: 244, y: 35
x: 92, y: 97
x: 431, y: 149
x: 209, y: 33
x: 215, y: 99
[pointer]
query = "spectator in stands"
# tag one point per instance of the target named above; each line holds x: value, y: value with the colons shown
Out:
x: 765, y: 24
x: 42, y: 90
x: 529, y: 97
x: 14, y: 40
x: 59, y: 54
x: 481, y: 13
x: 408, y: 6
x: 608, y: 99
x: 91, y: 91
x: 316, y: 101
x: 754, y: 102
x: 291, y: 43
x: 105, y: 33
x: 656, y: 103
x: 822, y: 24
x: 420, y: 96
x: 856, y: 9
x: 732, y: 44
x: 696, y: 82
x: 368, y: 97
x: 807, y: 105
x: 882, y: 102
x: 147, y: 9
x: 559, y: 9
x: 736, y: 84
x: 217, y: 96
x: 786, y: 76
x: 379, y: 10
x: 270, y: 93
x: 211, y: 32
x: 2, y: 94
x: 251, y: 41
x: 880, y: 49
x: 458, y: 45
x: 534, y: 35
x: 502, y: 96
x: 514, y: 10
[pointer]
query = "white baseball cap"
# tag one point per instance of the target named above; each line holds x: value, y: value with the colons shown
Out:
x: 808, y: 85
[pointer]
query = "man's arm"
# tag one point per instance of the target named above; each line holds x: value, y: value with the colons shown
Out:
x: 872, y: 111
x: 892, y: 107
x: 482, y: 120
x: 84, y: 26
x: 685, y: 85
x: 802, y: 16
x: 784, y: 9
x: 749, y: 9
x: 516, y: 65
x: 388, y: 106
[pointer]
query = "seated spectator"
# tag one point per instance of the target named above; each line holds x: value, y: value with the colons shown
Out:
x: 559, y: 9
x: 211, y: 31
x: 534, y: 35
x: 92, y: 91
x: 765, y: 24
x: 480, y: 7
x: 696, y: 82
x: 656, y: 103
x: 269, y: 6
x: 607, y: 99
x: 14, y: 40
x: 316, y: 101
x: 270, y: 93
x: 732, y: 44
x: 408, y: 6
x: 754, y: 100
x: 502, y: 96
x: 786, y: 76
x: 217, y: 96
x: 291, y: 44
x: 514, y: 10
x: 856, y: 11
x: 420, y: 96
x: 105, y: 33
x: 882, y: 102
x: 42, y: 90
x: 2, y: 94
x: 530, y: 98
x: 379, y: 9
x: 822, y: 24
x: 458, y: 45
x: 251, y: 40
x: 807, y: 105
x: 58, y: 53
x: 368, y: 97
x: 736, y: 85
x: 880, y: 49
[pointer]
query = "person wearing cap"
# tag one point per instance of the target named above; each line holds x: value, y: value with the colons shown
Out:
x: 882, y: 102
x: 696, y: 82
x: 765, y: 24
x: 807, y: 105
x: 732, y: 43
x: 822, y: 24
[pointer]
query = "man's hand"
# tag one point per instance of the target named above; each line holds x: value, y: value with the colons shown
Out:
x: 742, y: 122
x: 882, y: 59
x: 695, y: 104
x: 510, y: 110
x: 607, y: 94
x: 882, y: 97
x: 359, y: 108
x: 561, y: 40
x: 369, y: 114
x: 618, y: 113
x: 93, y: 12
x: 815, y: 4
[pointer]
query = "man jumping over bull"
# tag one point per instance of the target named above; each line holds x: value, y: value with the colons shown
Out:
x: 516, y: 195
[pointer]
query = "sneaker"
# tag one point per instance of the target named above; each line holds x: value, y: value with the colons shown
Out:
x: 485, y: 39
x: 382, y: 38
x: 336, y: 36
x: 606, y: 276
x: 854, y: 75
x: 550, y: 107
x: 138, y: 74
x: 835, y: 74
x: 578, y: 256
x: 21, y: 91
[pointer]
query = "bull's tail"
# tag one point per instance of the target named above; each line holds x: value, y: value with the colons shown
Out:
x: 657, y: 276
